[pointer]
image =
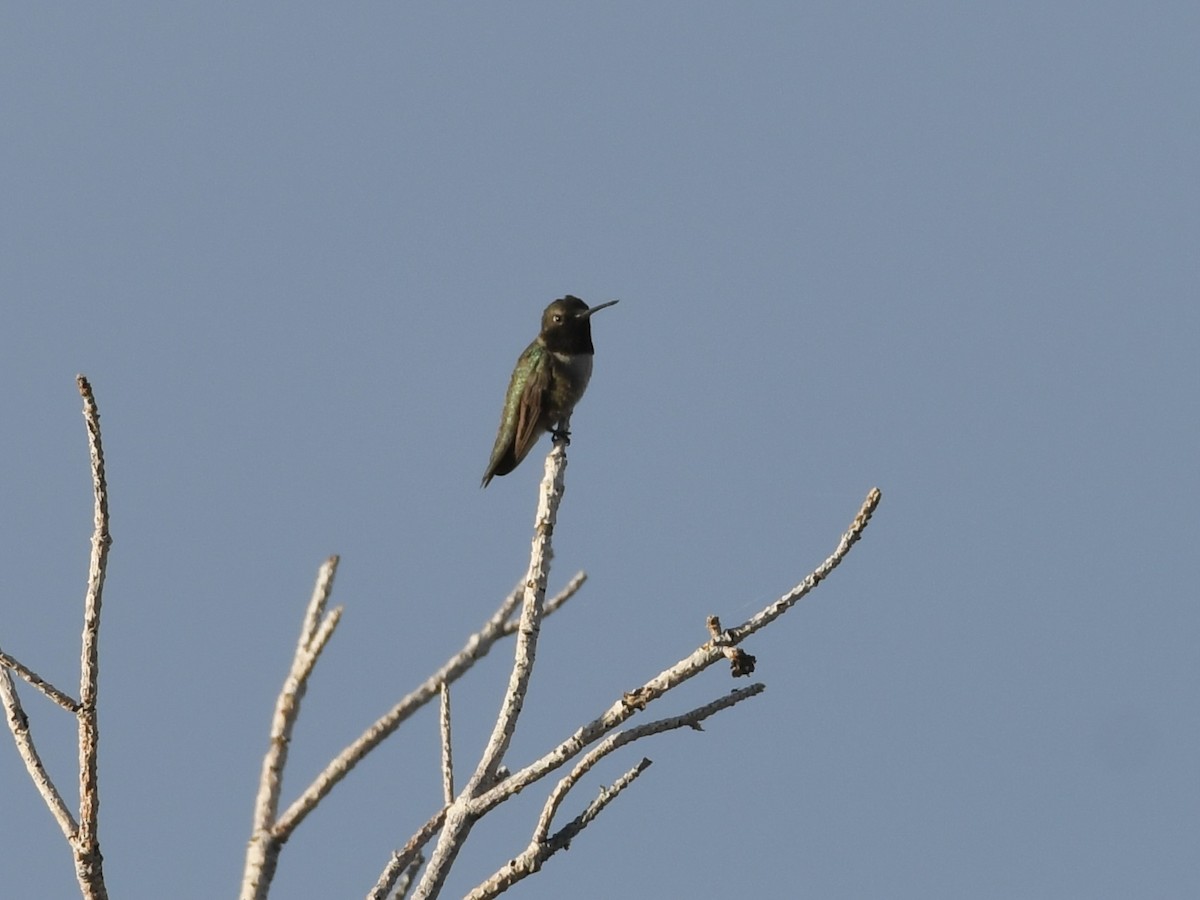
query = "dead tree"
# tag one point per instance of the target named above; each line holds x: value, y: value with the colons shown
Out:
x: 419, y: 867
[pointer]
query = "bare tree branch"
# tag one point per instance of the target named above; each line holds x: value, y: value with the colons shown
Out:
x: 531, y: 859
x: 89, y: 865
x: 461, y: 816
x: 700, y: 659
x: 478, y: 798
x: 407, y: 858
x: 447, y: 751
x: 82, y: 833
x: 18, y: 724
x: 67, y: 702
x: 270, y: 833
x: 553, y: 604
x: 792, y: 597
x: 407, y: 878
x: 544, y: 845
x: 476, y: 648
x: 722, y: 644
x: 619, y: 739
x: 262, y: 852
x: 561, y: 839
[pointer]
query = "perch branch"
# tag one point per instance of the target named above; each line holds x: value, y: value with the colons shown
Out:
x: 461, y: 817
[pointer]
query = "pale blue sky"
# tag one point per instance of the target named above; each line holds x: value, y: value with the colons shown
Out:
x: 947, y: 249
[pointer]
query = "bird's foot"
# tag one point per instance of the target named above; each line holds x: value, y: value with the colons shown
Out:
x: 560, y: 436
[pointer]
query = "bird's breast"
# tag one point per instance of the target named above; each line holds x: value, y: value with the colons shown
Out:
x: 575, y: 370
x: 578, y: 366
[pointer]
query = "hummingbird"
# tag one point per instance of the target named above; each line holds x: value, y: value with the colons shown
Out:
x: 550, y: 378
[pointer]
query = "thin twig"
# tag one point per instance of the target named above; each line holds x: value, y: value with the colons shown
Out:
x: 792, y: 597
x: 447, y: 751
x: 407, y: 878
x: 315, y: 611
x: 262, y: 852
x: 89, y: 864
x: 531, y: 859
x: 66, y: 701
x: 562, y: 838
x: 543, y: 845
x: 18, y: 724
x: 691, y: 719
x: 554, y: 603
x: 404, y: 859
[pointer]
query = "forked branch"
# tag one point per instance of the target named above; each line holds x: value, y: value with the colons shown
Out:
x: 271, y: 829
x: 82, y: 834
x: 485, y: 791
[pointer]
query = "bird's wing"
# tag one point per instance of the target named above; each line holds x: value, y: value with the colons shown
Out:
x: 531, y: 405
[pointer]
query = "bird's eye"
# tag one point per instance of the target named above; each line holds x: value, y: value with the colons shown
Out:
x: 558, y: 318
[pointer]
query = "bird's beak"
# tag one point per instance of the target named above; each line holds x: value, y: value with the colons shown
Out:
x: 598, y: 307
